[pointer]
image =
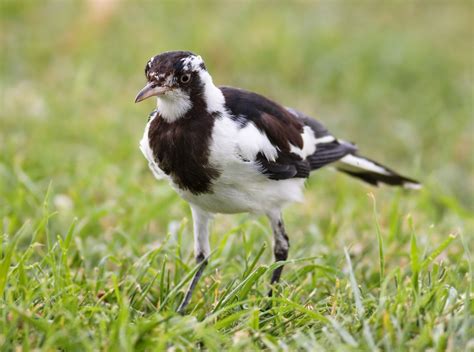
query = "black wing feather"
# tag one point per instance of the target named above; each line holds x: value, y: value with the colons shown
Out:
x: 282, y: 169
x: 317, y: 127
x: 327, y: 153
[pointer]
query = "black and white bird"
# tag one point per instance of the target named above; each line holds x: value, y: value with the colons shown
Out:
x: 228, y: 150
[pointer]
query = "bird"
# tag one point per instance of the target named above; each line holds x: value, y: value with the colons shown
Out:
x: 227, y: 150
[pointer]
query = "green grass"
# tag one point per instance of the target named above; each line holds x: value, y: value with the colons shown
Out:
x: 96, y: 254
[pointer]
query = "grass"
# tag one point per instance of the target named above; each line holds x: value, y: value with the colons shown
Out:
x: 96, y: 254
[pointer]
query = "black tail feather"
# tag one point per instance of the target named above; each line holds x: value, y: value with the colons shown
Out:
x: 374, y: 173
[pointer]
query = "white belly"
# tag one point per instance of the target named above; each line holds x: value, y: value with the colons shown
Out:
x: 246, y: 194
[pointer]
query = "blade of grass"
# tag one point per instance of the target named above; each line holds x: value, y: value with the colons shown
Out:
x: 467, y: 320
x: 343, y: 333
x: 355, y: 288
x: 180, y: 284
x: 254, y: 262
x: 379, y: 241
x: 437, y: 251
x: 7, y: 258
x: 242, y: 288
x: 414, y: 258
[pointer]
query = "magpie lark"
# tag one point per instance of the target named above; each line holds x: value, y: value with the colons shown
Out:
x: 228, y: 150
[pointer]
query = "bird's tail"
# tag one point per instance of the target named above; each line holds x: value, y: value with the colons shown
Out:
x: 372, y: 172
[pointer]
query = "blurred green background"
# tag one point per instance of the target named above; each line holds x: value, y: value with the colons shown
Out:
x: 396, y: 77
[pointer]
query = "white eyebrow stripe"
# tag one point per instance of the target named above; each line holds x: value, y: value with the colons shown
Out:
x: 192, y: 62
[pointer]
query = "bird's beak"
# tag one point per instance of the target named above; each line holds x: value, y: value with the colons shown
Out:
x: 150, y: 90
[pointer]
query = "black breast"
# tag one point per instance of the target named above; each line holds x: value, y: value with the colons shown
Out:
x: 181, y: 149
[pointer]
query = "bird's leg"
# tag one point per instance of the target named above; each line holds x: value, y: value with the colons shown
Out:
x: 281, y: 244
x: 189, y: 292
x: 201, y: 251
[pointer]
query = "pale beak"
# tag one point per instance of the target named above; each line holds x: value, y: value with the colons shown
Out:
x: 150, y: 90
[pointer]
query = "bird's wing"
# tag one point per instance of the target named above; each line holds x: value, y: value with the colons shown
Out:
x: 284, y: 142
x: 328, y: 148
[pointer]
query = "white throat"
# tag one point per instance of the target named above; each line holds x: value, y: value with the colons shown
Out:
x: 174, y: 104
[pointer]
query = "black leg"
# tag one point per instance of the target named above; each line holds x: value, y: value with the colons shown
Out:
x: 201, y: 250
x: 189, y: 292
x: 280, y: 246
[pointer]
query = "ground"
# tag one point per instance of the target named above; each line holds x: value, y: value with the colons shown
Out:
x: 96, y: 253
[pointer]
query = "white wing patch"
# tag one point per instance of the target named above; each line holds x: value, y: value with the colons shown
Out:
x: 309, y: 144
x: 251, y: 141
x: 325, y: 139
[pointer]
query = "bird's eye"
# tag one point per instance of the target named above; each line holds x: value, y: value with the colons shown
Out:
x: 185, y: 78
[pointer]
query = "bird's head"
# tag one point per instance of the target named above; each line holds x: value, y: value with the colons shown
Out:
x: 179, y: 80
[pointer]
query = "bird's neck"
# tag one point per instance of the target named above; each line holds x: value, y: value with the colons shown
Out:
x: 213, y: 97
x: 176, y: 104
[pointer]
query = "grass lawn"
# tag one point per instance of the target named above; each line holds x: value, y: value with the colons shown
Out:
x: 95, y: 254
